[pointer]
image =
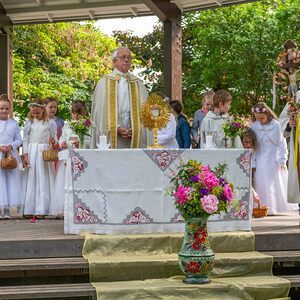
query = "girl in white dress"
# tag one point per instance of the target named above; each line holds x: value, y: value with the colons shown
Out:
x: 10, y: 180
x: 270, y: 176
x: 38, y: 133
x: 68, y: 140
x: 167, y: 135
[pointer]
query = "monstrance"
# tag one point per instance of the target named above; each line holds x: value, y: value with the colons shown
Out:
x: 155, y: 114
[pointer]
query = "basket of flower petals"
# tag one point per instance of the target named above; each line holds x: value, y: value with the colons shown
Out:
x: 260, y: 211
x: 8, y: 162
x: 50, y: 154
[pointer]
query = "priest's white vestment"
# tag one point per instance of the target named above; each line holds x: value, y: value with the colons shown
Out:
x: 117, y: 102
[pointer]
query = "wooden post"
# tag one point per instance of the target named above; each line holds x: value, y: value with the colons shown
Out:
x: 6, y: 62
x: 173, y: 58
x: 170, y: 14
x: 5, y: 54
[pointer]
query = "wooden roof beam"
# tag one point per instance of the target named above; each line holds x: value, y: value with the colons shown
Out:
x: 163, y: 9
x: 4, y: 19
x: 43, y: 7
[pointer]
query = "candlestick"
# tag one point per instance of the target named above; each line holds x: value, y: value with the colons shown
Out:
x: 209, y: 142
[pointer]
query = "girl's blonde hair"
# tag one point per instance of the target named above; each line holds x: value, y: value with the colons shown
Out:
x: 4, y: 98
x: 49, y: 100
x: 263, y: 108
x: 38, y: 102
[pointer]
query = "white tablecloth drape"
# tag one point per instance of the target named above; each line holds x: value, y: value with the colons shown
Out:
x: 124, y: 191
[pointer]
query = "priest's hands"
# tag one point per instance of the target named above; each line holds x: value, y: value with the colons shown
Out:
x: 125, y: 132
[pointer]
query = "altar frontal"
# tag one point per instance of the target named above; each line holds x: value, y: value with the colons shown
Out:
x: 124, y: 191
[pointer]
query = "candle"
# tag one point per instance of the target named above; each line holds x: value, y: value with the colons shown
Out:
x: 209, y: 142
x: 103, y: 141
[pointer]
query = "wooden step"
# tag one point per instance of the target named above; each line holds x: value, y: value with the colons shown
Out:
x: 294, y: 279
x: 43, y: 264
x: 49, y: 291
x: 44, y: 271
x: 284, y: 256
x: 278, y: 241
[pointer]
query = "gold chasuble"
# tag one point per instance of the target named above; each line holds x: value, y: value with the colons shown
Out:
x: 105, y: 110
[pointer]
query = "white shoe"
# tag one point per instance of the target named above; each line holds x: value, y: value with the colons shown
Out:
x: 7, y: 217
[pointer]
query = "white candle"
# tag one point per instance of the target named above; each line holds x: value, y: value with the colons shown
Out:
x: 103, y: 141
x: 209, y: 141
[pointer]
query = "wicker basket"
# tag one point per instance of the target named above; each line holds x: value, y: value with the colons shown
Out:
x: 8, y: 161
x: 260, y: 211
x: 51, y: 154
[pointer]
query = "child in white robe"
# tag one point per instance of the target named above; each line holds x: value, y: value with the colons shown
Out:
x: 68, y: 140
x: 270, y: 176
x: 10, y: 179
x: 39, y: 131
x: 214, y: 120
x: 167, y: 135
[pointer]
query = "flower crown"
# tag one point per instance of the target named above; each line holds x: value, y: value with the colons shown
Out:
x: 36, y: 104
x: 258, y: 110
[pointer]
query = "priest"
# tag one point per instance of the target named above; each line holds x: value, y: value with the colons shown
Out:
x: 117, y: 101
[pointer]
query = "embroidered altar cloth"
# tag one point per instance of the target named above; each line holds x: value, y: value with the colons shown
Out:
x: 124, y: 191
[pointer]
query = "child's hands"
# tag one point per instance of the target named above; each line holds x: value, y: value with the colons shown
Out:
x: 283, y: 168
x: 5, y: 149
x: 75, y: 144
x: 63, y: 145
x: 52, y: 141
x: 26, y: 163
x: 255, y: 197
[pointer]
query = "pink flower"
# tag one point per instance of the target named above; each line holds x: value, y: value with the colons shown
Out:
x: 87, y: 123
x: 209, y: 179
x: 183, y: 194
x: 210, y: 203
x: 204, y: 168
x: 227, y: 192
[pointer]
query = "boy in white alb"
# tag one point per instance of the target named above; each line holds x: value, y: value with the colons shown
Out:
x: 214, y: 120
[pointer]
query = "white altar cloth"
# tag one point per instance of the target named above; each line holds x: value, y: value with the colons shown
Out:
x: 123, y: 191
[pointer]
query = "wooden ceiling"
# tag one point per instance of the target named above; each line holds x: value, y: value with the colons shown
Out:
x: 44, y: 11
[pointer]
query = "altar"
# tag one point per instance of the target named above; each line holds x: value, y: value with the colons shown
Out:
x: 124, y: 191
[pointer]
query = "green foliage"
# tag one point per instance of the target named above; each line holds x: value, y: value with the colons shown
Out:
x: 148, y: 55
x: 62, y: 60
x: 233, y: 48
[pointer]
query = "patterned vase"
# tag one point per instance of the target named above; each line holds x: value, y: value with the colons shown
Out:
x: 196, y: 258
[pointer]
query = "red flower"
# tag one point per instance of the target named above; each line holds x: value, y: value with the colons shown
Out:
x: 87, y: 122
x: 193, y: 267
x: 196, y: 245
x: 201, y: 236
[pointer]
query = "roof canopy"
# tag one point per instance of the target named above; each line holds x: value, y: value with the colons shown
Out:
x: 42, y: 11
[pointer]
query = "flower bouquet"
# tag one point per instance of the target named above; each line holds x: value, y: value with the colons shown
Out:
x: 82, y: 128
x: 198, y: 193
x: 232, y: 129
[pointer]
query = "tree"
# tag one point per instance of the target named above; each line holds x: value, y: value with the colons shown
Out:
x: 62, y: 60
x: 233, y: 48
